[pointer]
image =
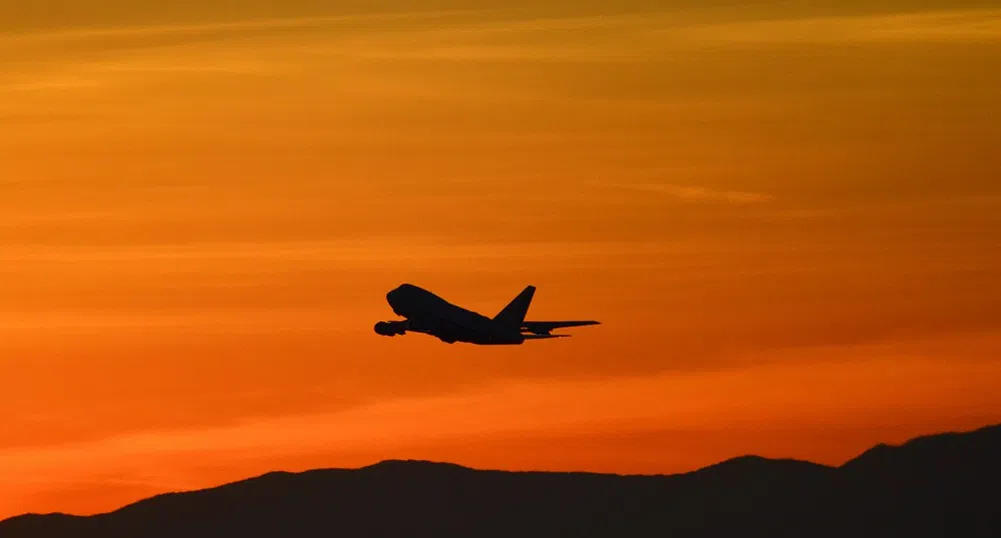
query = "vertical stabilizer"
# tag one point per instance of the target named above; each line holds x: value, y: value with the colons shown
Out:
x: 513, y: 314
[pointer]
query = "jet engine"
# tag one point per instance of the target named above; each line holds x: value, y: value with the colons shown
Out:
x: 391, y: 328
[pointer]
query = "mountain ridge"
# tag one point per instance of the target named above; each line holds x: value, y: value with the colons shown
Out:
x: 926, y: 486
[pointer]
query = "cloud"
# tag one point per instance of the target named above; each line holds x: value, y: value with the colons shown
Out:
x: 947, y: 26
x: 219, y: 27
x: 645, y: 37
x: 364, y: 250
x: 230, y: 321
x: 451, y: 36
x: 697, y: 194
x: 463, y: 35
x: 705, y: 194
x: 55, y: 83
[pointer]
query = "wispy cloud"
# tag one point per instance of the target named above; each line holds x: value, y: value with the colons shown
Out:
x: 478, y: 35
x: 52, y: 84
x: 222, y: 27
x: 502, y: 35
x: 690, y: 193
x: 921, y: 26
x: 646, y: 37
x: 705, y: 194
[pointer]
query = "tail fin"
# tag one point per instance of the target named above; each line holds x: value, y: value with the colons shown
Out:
x: 513, y: 314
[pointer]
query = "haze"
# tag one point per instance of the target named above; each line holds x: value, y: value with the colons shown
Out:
x: 786, y: 215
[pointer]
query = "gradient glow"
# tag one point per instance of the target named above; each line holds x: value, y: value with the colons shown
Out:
x: 787, y: 216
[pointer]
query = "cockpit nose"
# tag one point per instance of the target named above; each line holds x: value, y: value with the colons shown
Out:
x: 395, y: 296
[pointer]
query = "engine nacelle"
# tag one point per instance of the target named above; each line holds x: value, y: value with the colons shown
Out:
x: 390, y: 328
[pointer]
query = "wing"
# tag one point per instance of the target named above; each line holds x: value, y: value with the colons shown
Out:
x: 544, y: 327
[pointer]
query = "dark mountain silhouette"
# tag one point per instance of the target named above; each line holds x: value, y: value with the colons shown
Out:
x: 942, y: 485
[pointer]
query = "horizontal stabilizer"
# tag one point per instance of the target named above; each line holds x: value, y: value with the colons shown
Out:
x: 544, y: 327
x: 544, y: 336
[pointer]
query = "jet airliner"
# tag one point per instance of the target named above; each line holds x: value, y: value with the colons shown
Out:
x: 425, y: 312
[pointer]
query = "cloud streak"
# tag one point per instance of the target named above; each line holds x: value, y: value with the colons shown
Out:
x: 465, y: 35
x: 223, y: 27
x: 704, y: 194
x: 947, y: 26
x: 448, y: 36
x: 691, y: 193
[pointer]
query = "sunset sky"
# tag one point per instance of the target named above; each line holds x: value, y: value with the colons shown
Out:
x: 787, y: 216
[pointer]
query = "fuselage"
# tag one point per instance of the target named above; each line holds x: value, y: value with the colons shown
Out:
x: 428, y: 313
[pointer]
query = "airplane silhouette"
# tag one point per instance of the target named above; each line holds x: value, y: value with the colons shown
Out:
x: 425, y: 312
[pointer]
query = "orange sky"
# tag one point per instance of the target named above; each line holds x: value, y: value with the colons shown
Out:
x: 786, y: 216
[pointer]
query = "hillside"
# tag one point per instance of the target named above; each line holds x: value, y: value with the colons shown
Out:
x: 941, y: 485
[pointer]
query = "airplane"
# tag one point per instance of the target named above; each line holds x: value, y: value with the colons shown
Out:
x: 425, y: 312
